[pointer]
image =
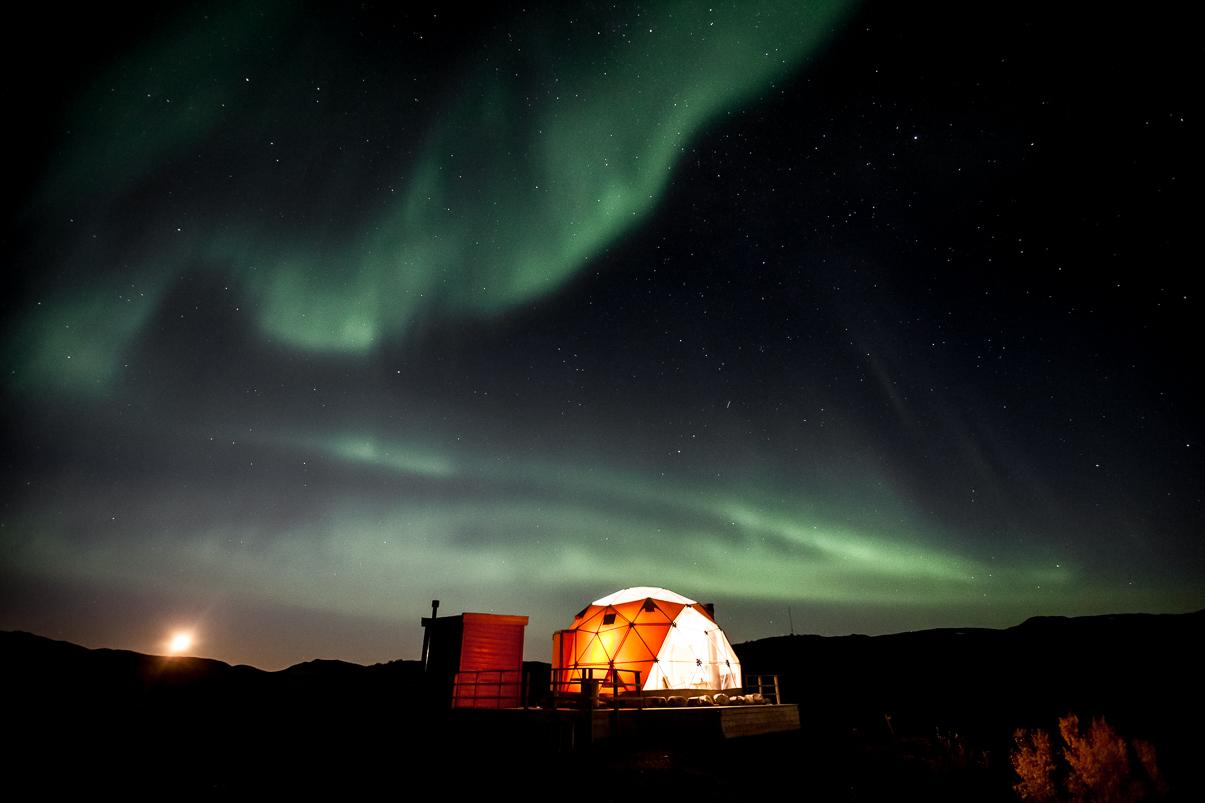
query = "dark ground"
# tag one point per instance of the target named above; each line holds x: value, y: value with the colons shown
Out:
x: 926, y: 715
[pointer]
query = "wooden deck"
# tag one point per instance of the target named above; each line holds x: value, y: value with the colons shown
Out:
x: 570, y: 729
x: 704, y: 723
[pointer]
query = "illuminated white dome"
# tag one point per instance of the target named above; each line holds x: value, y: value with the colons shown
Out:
x: 648, y: 638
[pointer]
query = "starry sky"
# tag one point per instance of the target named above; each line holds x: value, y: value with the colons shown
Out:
x: 851, y: 317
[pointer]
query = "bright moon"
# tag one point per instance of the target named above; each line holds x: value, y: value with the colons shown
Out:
x: 179, y: 643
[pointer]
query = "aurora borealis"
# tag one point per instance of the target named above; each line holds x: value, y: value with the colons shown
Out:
x: 314, y: 315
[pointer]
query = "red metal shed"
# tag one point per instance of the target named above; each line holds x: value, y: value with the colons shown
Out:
x: 477, y: 658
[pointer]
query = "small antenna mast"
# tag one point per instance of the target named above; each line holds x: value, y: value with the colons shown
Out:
x: 791, y: 619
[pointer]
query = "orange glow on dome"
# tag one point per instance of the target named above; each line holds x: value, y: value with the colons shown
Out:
x: 674, y: 643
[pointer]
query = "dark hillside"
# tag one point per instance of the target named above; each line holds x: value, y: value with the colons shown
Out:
x: 923, y: 715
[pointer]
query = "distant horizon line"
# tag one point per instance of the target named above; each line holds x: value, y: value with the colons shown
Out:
x: 177, y: 658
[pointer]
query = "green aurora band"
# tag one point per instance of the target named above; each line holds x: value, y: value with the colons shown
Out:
x: 510, y: 194
x: 554, y: 528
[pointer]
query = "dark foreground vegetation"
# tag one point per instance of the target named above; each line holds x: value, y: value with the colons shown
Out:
x: 933, y: 715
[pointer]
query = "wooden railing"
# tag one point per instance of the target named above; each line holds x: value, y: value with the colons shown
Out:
x: 489, y: 688
x: 573, y: 688
x: 587, y: 688
x: 765, y: 685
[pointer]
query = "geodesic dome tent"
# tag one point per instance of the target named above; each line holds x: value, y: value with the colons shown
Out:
x: 673, y: 642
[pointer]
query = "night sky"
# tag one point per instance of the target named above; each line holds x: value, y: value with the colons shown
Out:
x: 883, y: 312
